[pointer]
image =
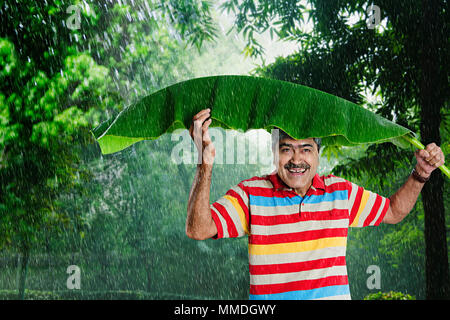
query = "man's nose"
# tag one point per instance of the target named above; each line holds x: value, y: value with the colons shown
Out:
x: 297, y: 157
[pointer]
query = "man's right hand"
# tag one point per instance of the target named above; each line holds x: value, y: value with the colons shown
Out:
x: 200, y: 135
x: 199, y: 222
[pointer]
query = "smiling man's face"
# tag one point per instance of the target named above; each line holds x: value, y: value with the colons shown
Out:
x: 298, y: 161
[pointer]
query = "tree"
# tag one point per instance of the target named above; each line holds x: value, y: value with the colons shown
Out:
x: 52, y: 92
x: 403, y: 60
x: 39, y: 124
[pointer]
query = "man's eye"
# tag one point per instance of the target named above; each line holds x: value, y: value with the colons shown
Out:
x: 285, y: 150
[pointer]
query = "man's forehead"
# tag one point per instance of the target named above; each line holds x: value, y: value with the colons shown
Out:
x: 294, y: 142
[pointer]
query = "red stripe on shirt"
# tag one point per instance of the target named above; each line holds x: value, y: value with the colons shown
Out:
x: 298, y: 285
x: 373, y: 211
x: 230, y: 225
x: 256, y: 178
x: 216, y: 220
x: 337, y: 186
x: 356, y: 204
x: 336, y: 214
x: 383, y: 213
x: 297, y: 266
x: 274, y: 220
x: 298, y: 236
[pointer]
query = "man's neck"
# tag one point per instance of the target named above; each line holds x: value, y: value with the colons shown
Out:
x: 302, y: 191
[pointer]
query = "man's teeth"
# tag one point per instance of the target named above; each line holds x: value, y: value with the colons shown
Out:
x: 297, y: 170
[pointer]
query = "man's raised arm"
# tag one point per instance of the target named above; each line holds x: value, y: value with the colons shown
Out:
x: 199, y: 222
x: 405, y: 198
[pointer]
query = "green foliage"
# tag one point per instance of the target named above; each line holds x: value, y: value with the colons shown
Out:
x: 391, y: 295
x: 368, y: 164
x: 192, y: 18
x: 140, y: 49
x: 133, y: 221
x: 55, y: 83
x: 51, y: 91
x: 277, y: 17
x: 40, y: 121
x: 90, y: 295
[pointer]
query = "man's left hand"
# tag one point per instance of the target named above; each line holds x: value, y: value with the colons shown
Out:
x: 429, y: 159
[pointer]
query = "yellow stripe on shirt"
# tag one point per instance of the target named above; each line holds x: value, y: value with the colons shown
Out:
x: 240, y: 212
x: 364, y: 198
x: 301, y: 246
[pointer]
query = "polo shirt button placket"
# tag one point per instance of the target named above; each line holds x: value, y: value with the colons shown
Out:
x: 302, y: 203
x: 300, y: 207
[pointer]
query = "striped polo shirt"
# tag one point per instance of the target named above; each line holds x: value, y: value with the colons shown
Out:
x: 297, y: 245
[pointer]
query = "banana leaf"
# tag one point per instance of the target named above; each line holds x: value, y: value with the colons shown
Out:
x: 245, y: 103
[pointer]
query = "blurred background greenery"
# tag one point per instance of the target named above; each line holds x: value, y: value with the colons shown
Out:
x: 65, y: 66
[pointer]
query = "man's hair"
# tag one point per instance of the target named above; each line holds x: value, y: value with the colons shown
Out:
x: 283, y: 135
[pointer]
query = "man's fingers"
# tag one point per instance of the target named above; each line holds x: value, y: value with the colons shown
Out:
x: 197, y: 122
x: 206, y: 137
x: 423, y: 154
x: 201, y: 113
x: 199, y: 128
x: 433, y: 155
x: 201, y: 119
x: 437, y: 160
x: 431, y: 146
x: 206, y: 125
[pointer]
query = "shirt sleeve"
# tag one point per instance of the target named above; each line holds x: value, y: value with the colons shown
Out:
x: 230, y: 213
x: 366, y: 208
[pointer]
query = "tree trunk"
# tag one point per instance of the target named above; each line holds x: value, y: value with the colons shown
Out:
x: 431, y: 100
x: 23, y: 267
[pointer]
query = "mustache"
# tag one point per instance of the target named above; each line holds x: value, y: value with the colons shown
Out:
x: 300, y: 166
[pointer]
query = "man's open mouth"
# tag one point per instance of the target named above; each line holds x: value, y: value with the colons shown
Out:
x: 297, y: 170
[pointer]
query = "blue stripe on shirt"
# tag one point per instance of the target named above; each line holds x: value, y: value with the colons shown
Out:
x: 286, y: 201
x: 305, y: 294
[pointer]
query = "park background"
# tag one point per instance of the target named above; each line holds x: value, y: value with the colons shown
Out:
x: 66, y: 66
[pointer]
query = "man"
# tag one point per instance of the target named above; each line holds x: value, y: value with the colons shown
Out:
x: 296, y: 221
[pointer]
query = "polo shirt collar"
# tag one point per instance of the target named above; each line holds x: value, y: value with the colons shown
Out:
x: 279, y: 184
x: 318, y: 183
